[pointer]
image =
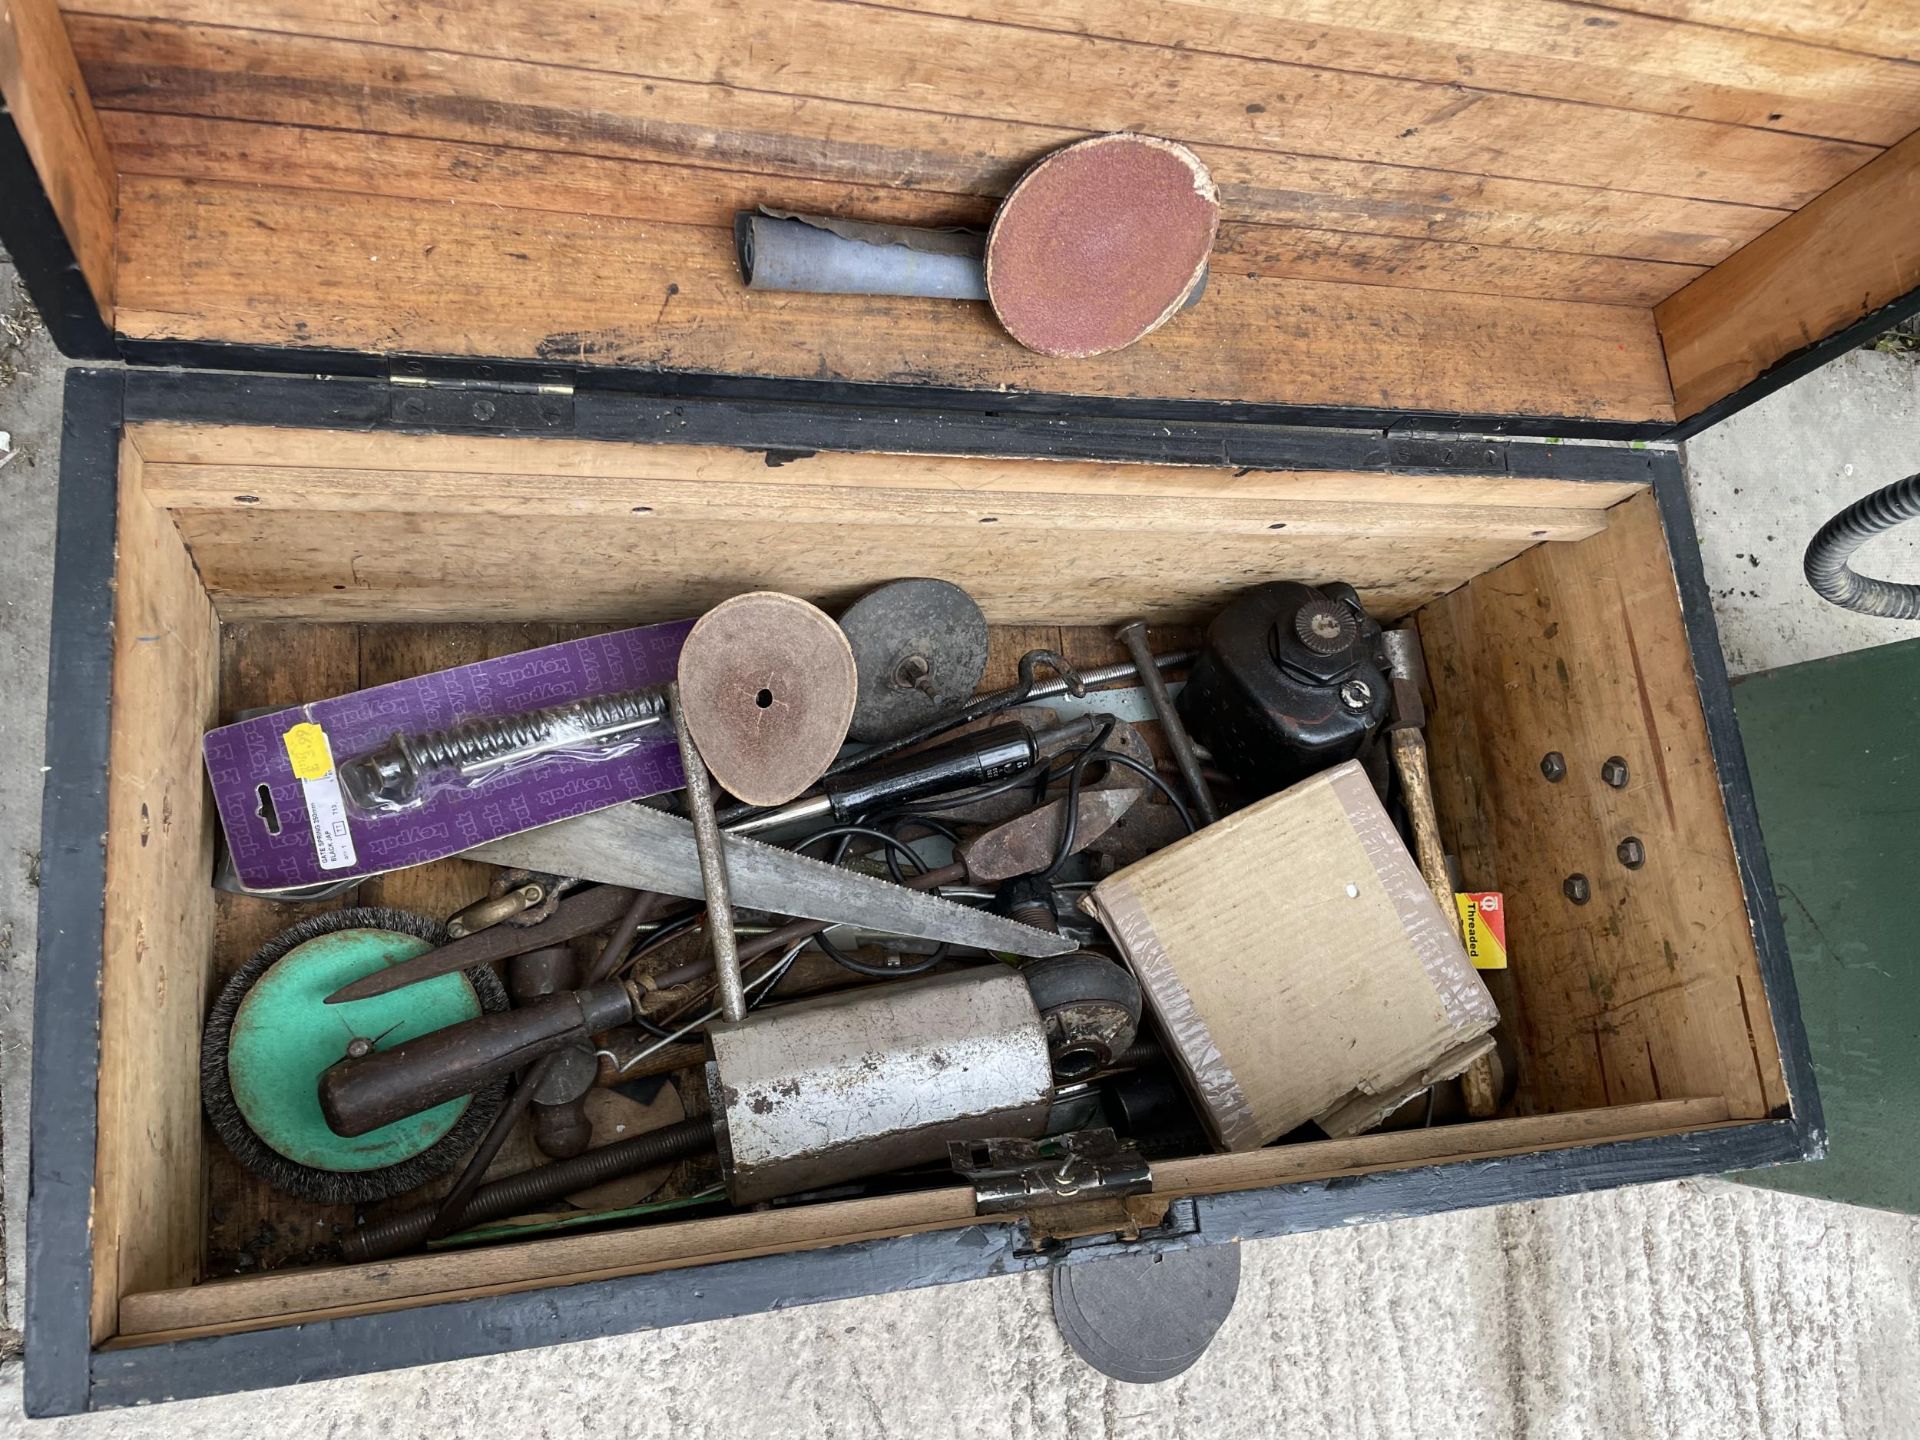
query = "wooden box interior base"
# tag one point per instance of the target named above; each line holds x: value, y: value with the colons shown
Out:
x: 260, y: 566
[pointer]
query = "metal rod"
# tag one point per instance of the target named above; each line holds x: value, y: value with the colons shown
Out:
x: 713, y: 867
x: 1133, y: 635
x: 1107, y: 674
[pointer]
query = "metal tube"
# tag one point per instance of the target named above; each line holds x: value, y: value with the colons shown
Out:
x: 1133, y: 635
x: 779, y: 252
x: 713, y: 866
x: 826, y: 254
x: 838, y: 1087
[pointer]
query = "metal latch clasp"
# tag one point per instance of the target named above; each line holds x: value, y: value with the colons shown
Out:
x: 1011, y: 1175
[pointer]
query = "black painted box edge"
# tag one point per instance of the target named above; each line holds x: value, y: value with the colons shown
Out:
x: 65, y: 1375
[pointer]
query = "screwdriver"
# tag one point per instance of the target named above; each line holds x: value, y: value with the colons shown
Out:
x: 977, y: 759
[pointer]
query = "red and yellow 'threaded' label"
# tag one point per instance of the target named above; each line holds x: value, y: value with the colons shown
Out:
x: 1483, y: 916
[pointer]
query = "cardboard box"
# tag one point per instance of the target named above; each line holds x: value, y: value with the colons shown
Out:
x: 1298, y: 965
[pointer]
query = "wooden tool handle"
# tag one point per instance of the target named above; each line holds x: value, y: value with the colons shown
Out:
x: 1477, y: 1083
x: 364, y: 1092
x: 1416, y: 791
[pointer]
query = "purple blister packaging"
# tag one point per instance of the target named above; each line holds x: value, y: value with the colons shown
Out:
x: 285, y: 831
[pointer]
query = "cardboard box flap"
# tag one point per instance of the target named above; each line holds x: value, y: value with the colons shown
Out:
x: 1294, y: 958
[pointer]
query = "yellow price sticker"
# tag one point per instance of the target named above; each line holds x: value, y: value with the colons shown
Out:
x: 307, y: 748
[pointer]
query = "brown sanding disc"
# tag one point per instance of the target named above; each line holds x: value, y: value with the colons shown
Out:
x: 1100, y: 244
x: 767, y: 685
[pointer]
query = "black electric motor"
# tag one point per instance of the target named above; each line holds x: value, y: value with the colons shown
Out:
x: 1292, y: 681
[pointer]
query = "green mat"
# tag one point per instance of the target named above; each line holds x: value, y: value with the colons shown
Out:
x: 1834, y: 747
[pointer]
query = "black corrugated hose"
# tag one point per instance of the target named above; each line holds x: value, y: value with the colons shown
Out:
x: 1833, y: 579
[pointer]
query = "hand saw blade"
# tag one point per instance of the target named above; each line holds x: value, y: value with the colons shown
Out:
x: 647, y: 849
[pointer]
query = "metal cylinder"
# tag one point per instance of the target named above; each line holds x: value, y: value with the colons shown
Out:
x: 876, y: 1079
x: 840, y: 257
x: 824, y: 254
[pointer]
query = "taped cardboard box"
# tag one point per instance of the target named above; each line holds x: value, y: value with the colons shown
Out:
x: 1299, y: 967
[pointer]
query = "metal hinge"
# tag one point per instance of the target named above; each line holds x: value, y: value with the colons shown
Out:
x: 1070, y: 1169
x: 492, y: 397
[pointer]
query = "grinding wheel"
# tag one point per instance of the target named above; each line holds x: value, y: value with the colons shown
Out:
x: 270, y: 1033
x: 920, y: 648
x: 1101, y: 243
x: 767, y: 685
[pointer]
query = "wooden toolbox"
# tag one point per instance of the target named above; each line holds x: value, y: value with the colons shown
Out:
x: 438, y: 347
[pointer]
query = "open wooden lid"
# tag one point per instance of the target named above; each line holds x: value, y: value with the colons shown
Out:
x: 1414, y: 227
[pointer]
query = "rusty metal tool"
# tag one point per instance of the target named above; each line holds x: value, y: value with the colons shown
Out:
x: 641, y: 906
x: 713, y: 866
x: 651, y: 850
x: 560, y: 1125
x: 1027, y: 844
x: 514, y: 897
x: 1133, y: 635
x: 920, y: 647
x: 1406, y: 727
x: 581, y: 914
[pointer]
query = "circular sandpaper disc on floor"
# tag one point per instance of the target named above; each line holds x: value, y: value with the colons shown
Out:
x: 1146, y: 1318
x: 1100, y: 244
x: 767, y: 685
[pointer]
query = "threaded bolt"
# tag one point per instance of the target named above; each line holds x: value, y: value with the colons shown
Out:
x: 1632, y: 853
x: 1553, y: 765
x: 1614, y: 771
x: 1577, y: 889
x: 390, y: 779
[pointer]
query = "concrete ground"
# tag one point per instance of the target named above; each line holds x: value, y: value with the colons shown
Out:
x: 1697, y: 1309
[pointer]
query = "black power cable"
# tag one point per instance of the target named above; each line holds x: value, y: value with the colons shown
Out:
x: 846, y: 835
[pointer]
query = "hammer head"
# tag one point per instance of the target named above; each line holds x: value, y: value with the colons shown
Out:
x: 1407, y: 673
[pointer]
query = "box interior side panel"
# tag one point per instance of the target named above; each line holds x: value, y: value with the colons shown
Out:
x: 46, y: 100
x: 404, y: 275
x: 1852, y: 252
x: 1651, y: 988
x: 322, y: 525
x: 1471, y: 207
x: 149, y: 1214
x: 300, y: 1296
